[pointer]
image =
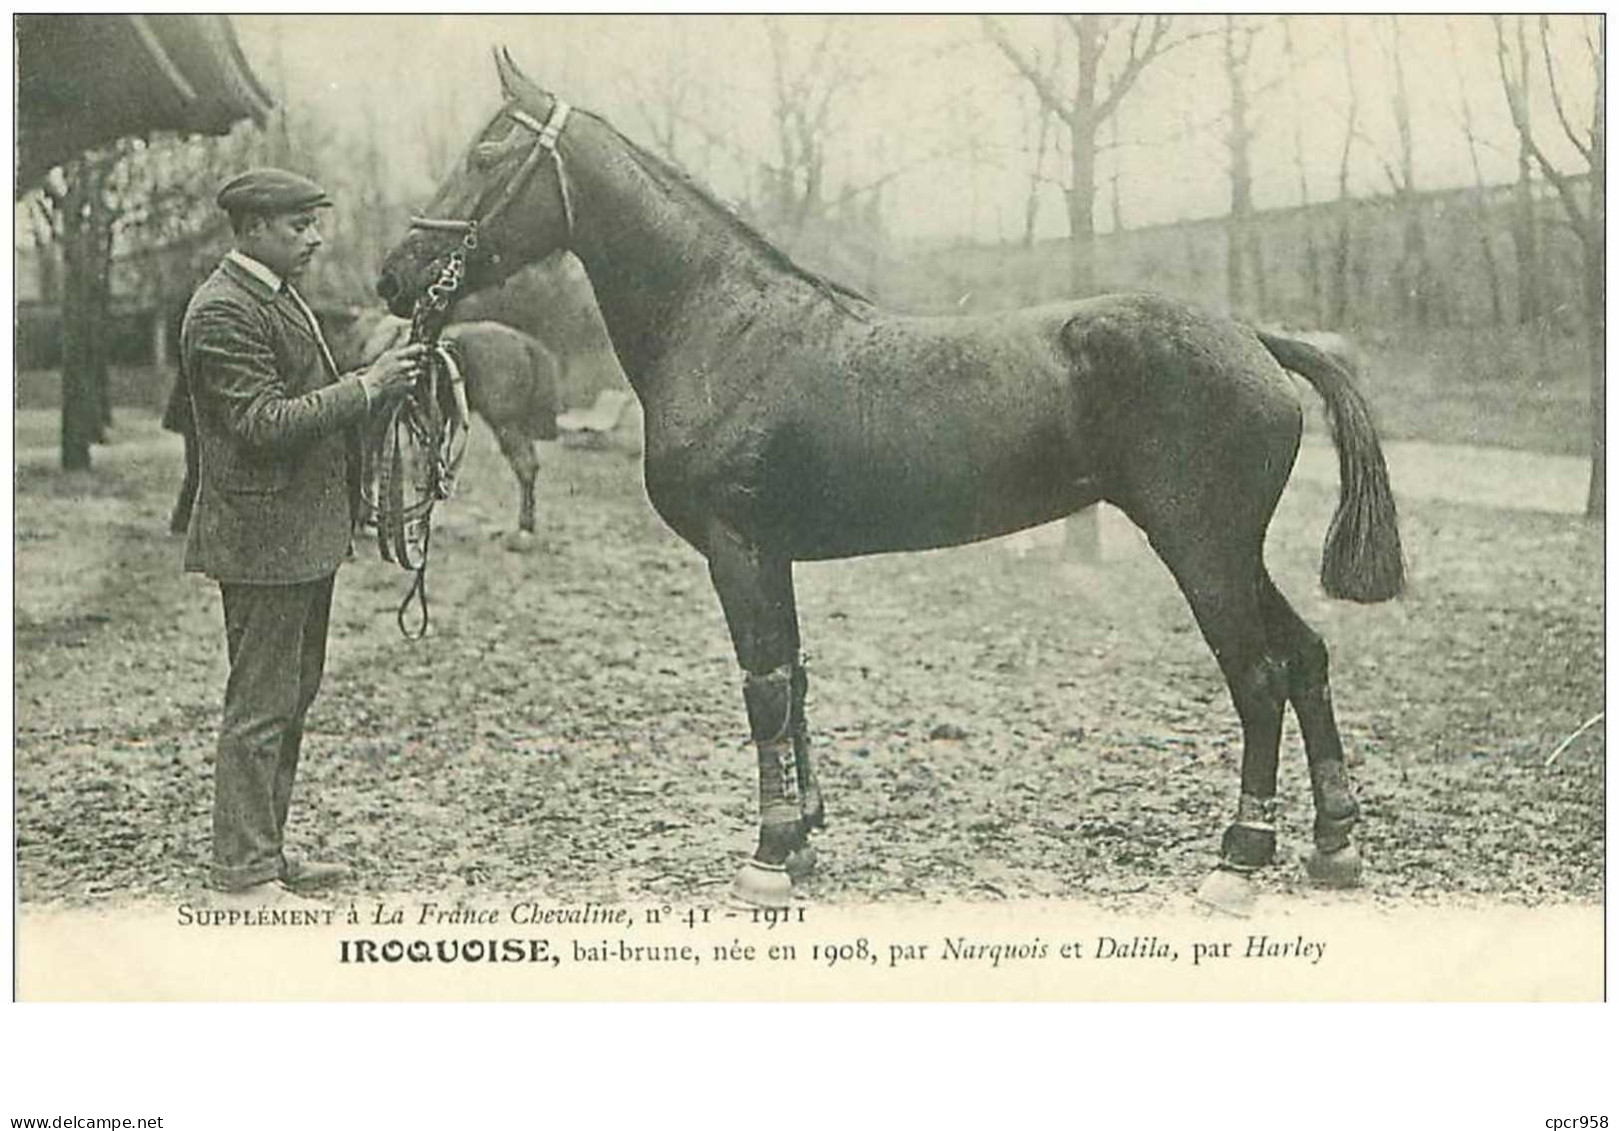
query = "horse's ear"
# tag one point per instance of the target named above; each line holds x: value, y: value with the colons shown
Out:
x: 512, y: 79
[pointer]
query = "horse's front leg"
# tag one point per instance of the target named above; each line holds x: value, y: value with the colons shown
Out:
x: 756, y: 591
x: 812, y: 803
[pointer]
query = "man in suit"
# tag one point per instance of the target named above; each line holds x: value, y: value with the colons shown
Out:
x: 277, y: 432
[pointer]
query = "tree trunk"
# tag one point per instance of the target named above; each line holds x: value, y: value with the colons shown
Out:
x: 1338, y: 312
x: 101, y: 304
x: 1596, y: 496
x: 1239, y: 240
x: 1084, y: 529
x: 1031, y: 203
x: 1524, y: 236
x: 1596, y: 258
x: 1596, y: 296
x: 1233, y: 262
x: 1414, y: 272
x: 1523, y: 243
x: 1082, y: 127
x: 86, y: 249
x: 81, y: 407
x: 1481, y: 191
x: 1081, y: 197
x: 1338, y: 296
x: 1312, y: 252
x: 1414, y: 275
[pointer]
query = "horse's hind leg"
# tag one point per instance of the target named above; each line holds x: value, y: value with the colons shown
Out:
x: 1219, y: 573
x: 518, y: 449
x: 756, y: 591
x: 1335, y: 863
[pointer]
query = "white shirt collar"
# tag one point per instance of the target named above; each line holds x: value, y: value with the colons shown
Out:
x: 254, y: 268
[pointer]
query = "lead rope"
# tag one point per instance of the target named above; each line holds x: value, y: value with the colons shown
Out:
x: 404, y: 533
x: 426, y: 322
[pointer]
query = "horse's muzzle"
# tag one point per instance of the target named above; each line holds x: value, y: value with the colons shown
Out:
x: 392, y: 292
x: 388, y: 287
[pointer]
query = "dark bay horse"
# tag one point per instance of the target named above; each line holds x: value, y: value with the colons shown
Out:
x: 511, y: 381
x: 790, y: 419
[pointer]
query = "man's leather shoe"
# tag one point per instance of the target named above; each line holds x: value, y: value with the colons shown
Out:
x: 304, y: 874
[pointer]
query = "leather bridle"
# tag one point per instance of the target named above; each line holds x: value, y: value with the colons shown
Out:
x: 546, y: 136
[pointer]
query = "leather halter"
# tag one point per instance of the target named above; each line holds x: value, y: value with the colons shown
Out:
x: 546, y: 137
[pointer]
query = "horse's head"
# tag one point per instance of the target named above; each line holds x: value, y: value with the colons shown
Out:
x: 504, y: 205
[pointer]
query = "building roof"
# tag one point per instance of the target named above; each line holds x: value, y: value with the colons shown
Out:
x: 85, y: 80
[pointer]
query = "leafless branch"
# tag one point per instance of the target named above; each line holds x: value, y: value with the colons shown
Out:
x: 1135, y: 63
x: 1520, y: 119
x: 851, y: 191
x: 1246, y: 34
x: 1584, y: 147
x: 1389, y: 172
x: 1043, y: 88
x: 1266, y: 88
x: 1466, y: 115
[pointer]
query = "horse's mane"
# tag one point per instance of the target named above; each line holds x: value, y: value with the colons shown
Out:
x: 668, y: 175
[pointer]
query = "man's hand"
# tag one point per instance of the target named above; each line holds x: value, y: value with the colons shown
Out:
x: 393, y: 373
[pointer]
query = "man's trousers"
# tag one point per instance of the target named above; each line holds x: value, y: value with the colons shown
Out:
x: 276, y: 639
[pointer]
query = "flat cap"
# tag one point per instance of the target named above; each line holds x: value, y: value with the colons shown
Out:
x: 269, y: 191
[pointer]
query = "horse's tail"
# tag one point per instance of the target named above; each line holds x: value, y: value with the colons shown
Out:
x: 1362, y: 560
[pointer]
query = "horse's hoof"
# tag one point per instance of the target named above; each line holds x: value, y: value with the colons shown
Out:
x: 1341, y: 869
x: 1229, y: 892
x: 763, y: 885
x: 801, y: 862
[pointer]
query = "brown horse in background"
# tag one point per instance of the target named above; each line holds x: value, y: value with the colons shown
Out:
x: 511, y: 381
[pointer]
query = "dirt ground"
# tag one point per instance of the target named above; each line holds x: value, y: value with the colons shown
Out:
x: 992, y: 722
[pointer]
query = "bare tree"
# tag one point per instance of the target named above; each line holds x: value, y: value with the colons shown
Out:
x: 667, y: 90
x: 1243, y: 253
x: 1109, y: 55
x: 807, y: 90
x: 1414, y: 274
x: 1525, y: 234
x: 81, y: 203
x: 1342, y: 245
x: 1084, y: 93
x: 1586, y: 213
x: 1312, y: 250
x: 1115, y: 194
x: 1492, y: 273
x: 147, y: 208
x: 1038, y: 120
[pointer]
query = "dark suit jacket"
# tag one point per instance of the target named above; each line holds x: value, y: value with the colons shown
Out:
x: 278, y: 436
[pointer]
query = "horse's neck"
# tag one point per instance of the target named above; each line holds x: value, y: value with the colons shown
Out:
x: 652, y: 256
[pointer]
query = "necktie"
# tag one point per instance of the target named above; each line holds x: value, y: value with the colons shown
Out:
x: 314, y: 325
